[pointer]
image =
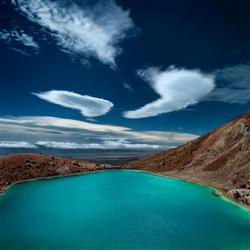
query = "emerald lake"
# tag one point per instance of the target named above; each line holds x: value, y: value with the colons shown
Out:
x: 119, y: 209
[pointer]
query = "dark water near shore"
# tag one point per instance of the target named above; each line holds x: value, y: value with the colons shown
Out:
x: 119, y: 209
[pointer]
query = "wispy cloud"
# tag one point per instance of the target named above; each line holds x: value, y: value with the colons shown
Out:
x: 177, y: 88
x: 89, y: 106
x: 16, y: 144
x: 233, y: 85
x: 128, y: 87
x: 51, y: 121
x: 15, y: 36
x: 92, y: 31
x: 41, y: 128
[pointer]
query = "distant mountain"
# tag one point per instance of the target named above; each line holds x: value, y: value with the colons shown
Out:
x: 220, y: 158
x: 115, y: 156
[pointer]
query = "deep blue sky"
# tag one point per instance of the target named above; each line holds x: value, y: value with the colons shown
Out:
x: 210, y: 35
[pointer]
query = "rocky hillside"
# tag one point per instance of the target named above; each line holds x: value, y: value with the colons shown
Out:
x: 18, y: 167
x: 220, y: 158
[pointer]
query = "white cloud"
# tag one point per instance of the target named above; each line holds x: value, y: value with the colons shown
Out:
x: 81, y: 30
x: 68, y: 145
x: 18, y: 36
x: 32, y: 125
x: 16, y: 144
x: 125, y: 144
x: 177, y: 88
x: 89, y: 106
x: 50, y: 121
x: 117, y: 144
x: 233, y: 85
x: 108, y: 144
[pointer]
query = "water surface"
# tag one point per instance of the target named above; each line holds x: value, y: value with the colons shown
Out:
x: 119, y: 209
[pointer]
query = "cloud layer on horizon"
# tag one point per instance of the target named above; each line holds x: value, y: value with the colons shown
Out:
x: 33, y: 129
x: 111, y: 144
x: 89, y: 106
x: 105, y: 145
x: 16, y: 144
x: 177, y: 88
x: 89, y: 31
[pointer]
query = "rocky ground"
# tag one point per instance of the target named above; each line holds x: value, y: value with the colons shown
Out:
x: 220, y: 158
x: 242, y: 194
x: 19, y: 167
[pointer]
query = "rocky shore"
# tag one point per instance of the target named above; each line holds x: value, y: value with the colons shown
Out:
x: 21, y: 167
x: 241, y: 194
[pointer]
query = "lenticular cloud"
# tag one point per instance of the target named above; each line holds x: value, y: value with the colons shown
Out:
x: 177, y: 88
x: 89, y: 106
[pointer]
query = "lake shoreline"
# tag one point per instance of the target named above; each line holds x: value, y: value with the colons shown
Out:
x: 5, y: 188
x: 222, y: 193
x: 218, y: 191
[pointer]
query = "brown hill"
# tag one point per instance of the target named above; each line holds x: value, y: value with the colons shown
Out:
x: 18, y: 167
x: 220, y: 158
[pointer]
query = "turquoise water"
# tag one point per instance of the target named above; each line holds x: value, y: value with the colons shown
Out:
x: 119, y: 209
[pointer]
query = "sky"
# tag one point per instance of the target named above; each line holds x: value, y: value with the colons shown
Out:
x: 132, y: 75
